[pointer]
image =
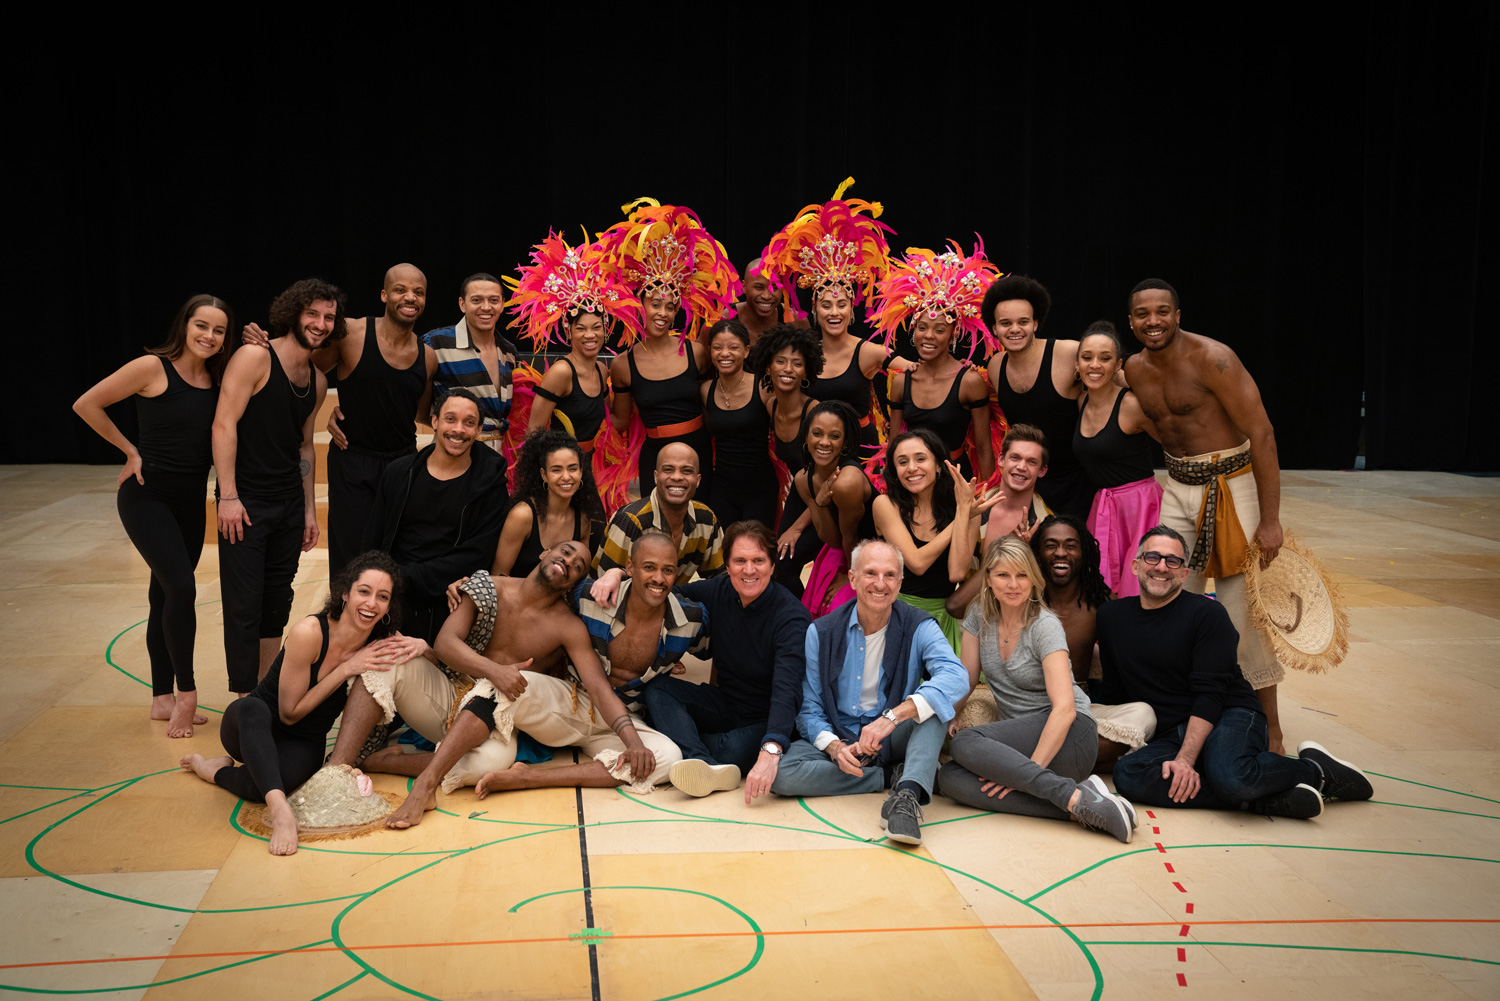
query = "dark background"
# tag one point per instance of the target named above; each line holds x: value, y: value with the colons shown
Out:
x: 1315, y: 194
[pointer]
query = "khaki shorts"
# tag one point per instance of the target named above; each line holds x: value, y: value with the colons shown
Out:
x: 1130, y: 723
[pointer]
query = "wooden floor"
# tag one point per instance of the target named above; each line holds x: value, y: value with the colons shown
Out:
x: 122, y: 876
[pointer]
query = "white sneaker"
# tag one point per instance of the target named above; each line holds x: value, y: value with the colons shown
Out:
x: 696, y: 777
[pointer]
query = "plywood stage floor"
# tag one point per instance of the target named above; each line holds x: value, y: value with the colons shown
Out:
x: 122, y: 876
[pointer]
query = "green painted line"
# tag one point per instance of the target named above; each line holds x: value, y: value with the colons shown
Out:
x: 1437, y: 809
x: 760, y: 938
x: 5, y: 785
x: 28, y: 813
x: 347, y: 983
x: 822, y: 819
x: 592, y: 936
x: 1314, y: 948
x: 1424, y: 785
x: 954, y: 820
x: 1257, y: 844
x: 163, y: 983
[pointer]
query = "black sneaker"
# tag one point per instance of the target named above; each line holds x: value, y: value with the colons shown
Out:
x: 1301, y: 802
x: 1341, y: 780
x: 1103, y: 812
x: 902, y: 815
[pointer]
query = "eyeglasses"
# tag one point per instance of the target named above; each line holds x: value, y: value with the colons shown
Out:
x: 1152, y: 558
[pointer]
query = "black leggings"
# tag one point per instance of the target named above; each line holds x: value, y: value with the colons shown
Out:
x: 789, y: 569
x: 165, y: 521
x: 274, y: 759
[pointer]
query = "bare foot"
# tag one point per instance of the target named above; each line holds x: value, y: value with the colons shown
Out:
x: 185, y: 715
x: 382, y: 758
x: 283, y: 829
x: 409, y: 813
x: 205, y: 768
x: 161, y: 706
x: 508, y: 778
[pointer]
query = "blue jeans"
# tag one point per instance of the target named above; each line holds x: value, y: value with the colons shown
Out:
x: 807, y: 771
x: 1234, y: 765
x: 701, y: 722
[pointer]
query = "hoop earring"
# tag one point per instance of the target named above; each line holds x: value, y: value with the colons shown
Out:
x: 387, y: 619
x: 806, y: 383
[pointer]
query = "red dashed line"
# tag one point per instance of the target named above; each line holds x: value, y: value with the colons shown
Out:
x: 1182, y: 955
x: 1156, y: 830
x: 1180, y: 887
x: 1150, y: 814
x: 1190, y: 908
x: 1169, y: 867
x: 1183, y: 933
x: 1159, y: 847
x: 1181, y: 980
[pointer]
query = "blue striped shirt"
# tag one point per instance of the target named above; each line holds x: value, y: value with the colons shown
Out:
x: 684, y: 630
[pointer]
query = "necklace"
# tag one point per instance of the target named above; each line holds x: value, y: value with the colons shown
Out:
x: 728, y: 393
x: 302, y: 395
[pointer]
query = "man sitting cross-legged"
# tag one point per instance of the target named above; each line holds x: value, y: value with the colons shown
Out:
x: 475, y: 649
x: 633, y: 643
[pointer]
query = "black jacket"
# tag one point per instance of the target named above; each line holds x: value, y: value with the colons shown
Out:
x: 474, y: 537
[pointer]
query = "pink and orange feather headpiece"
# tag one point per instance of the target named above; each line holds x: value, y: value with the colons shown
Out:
x: 663, y: 250
x: 947, y: 284
x: 839, y: 244
x: 563, y: 281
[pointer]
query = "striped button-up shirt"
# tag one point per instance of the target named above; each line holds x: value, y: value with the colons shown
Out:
x: 701, y: 549
x: 684, y: 630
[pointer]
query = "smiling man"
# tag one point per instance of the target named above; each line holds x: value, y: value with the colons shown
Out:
x: 486, y: 652
x: 879, y: 691
x: 1024, y: 458
x: 1206, y: 411
x: 439, y: 512
x: 263, y: 459
x: 670, y: 509
x: 1176, y: 650
x: 763, y: 306
x: 471, y: 354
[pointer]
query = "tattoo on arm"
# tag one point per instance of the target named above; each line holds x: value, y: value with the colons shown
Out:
x: 304, y: 467
x: 620, y: 722
x: 1222, y: 364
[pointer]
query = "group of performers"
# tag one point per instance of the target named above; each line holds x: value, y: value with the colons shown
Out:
x: 797, y: 417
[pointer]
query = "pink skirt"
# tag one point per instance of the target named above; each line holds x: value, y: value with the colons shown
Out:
x: 1118, y: 519
x: 830, y: 563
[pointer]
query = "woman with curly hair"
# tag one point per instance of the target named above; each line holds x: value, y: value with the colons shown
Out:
x: 160, y: 490
x: 279, y: 729
x: 736, y: 410
x: 556, y: 501
x: 838, y: 495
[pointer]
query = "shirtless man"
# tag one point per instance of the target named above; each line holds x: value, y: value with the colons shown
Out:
x: 1207, y: 413
x: 763, y: 307
x: 1036, y: 382
x: 634, y: 642
x: 472, y: 354
x: 424, y: 694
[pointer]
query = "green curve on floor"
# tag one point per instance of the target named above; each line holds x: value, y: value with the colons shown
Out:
x: 1315, y: 948
x: 162, y: 983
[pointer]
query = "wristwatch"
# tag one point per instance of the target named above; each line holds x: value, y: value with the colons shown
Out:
x: 771, y: 747
x: 890, y: 714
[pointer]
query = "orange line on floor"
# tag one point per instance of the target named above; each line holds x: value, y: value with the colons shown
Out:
x: 748, y: 934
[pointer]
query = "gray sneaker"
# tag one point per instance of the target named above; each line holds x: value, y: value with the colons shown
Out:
x: 902, y: 815
x: 1341, y: 780
x: 1300, y: 802
x: 699, y: 778
x: 1104, y: 812
x: 1097, y: 784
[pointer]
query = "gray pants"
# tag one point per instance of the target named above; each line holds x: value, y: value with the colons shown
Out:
x: 1001, y: 752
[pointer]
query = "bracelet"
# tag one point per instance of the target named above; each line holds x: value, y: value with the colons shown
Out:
x: 235, y: 497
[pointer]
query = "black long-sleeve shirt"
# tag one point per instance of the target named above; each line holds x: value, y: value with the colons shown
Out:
x: 758, y: 652
x: 1179, y: 658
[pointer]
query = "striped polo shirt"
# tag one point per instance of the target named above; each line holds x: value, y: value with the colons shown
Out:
x: 684, y: 630
x: 701, y: 549
x: 459, y: 364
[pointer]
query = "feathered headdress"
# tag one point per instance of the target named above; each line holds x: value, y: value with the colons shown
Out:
x: 947, y: 284
x: 663, y: 250
x: 833, y: 244
x: 563, y: 281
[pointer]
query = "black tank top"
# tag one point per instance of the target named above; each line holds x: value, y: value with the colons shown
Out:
x: 176, y: 428
x: 851, y: 386
x: 932, y: 582
x: 790, y: 452
x: 1044, y: 407
x: 949, y: 420
x: 1112, y: 458
x: 741, y: 437
x: 379, y: 401
x: 661, y: 402
x: 530, y: 553
x: 316, y: 724
x: 585, y: 412
x: 866, y: 527
x: 267, y: 463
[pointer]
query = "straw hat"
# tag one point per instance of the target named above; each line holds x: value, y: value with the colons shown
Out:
x: 1296, y: 605
x: 979, y: 710
x: 328, y: 805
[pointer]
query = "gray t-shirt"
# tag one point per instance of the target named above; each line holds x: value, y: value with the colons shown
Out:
x: 1019, y: 685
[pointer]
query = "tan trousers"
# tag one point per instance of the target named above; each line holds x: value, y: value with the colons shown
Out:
x: 1180, y: 504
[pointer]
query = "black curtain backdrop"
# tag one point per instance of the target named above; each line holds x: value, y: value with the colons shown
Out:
x: 1315, y: 194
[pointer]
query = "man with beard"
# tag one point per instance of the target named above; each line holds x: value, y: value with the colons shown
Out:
x: 1206, y: 411
x: 472, y: 354
x: 1176, y: 651
x: 482, y: 641
x: 1025, y: 454
x: 263, y: 456
x: 439, y: 512
x: 741, y: 721
x: 670, y: 509
x: 1036, y: 382
x: 634, y: 643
